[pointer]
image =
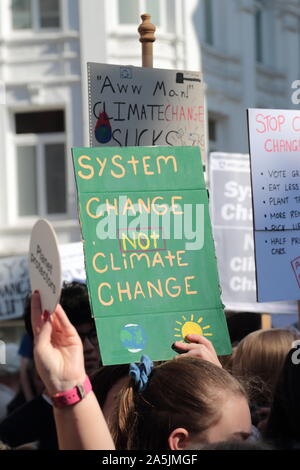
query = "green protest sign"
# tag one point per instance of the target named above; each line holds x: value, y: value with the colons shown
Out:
x: 149, y: 253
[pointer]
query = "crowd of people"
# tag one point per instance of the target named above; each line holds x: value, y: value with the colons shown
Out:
x: 197, y: 400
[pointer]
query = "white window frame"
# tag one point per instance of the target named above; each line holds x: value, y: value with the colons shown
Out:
x: 39, y: 141
x: 36, y: 22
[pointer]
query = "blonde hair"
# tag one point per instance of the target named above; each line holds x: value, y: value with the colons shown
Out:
x: 259, y: 359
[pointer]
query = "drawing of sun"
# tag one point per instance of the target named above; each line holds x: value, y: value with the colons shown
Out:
x: 191, y: 326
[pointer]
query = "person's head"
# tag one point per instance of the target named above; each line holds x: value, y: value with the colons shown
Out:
x: 237, y: 445
x: 75, y: 302
x: 259, y: 357
x: 107, y: 384
x: 187, y: 401
x: 283, y: 423
x: 29, y: 446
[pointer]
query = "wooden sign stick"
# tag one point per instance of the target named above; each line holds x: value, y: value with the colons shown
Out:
x: 147, y: 38
x: 266, y: 321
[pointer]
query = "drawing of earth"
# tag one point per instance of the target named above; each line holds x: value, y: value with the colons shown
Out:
x: 133, y: 338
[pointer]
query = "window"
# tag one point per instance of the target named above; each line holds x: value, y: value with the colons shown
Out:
x: 152, y: 7
x: 40, y: 163
x: 218, y: 132
x: 27, y: 180
x: 208, y: 18
x: 128, y: 11
x: 215, y: 125
x: 265, y: 33
x: 212, y: 130
x: 35, y: 14
x: 55, y: 175
x: 258, y: 36
x: 49, y: 13
x: 171, y: 16
x: 40, y: 122
x: 21, y: 14
x: 163, y: 12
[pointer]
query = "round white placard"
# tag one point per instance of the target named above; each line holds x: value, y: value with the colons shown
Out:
x: 44, y: 264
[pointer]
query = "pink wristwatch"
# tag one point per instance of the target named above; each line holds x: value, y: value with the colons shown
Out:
x: 73, y: 396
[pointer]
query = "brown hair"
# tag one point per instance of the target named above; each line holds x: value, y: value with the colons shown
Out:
x: 259, y: 359
x: 104, y: 379
x: 185, y: 392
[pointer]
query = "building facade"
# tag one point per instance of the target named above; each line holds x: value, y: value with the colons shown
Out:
x: 248, y: 51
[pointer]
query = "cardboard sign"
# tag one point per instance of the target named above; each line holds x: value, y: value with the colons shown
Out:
x: 72, y: 262
x: 15, y: 284
x: 44, y: 265
x: 274, y: 137
x: 136, y: 106
x: 149, y: 252
x: 231, y: 214
x: 231, y: 211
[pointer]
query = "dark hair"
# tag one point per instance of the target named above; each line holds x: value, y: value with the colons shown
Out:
x: 283, y: 423
x: 185, y: 392
x: 240, y: 324
x: 237, y: 445
x: 105, y: 379
x: 75, y: 302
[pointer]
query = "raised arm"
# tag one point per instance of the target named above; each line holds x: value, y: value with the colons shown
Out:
x: 59, y: 360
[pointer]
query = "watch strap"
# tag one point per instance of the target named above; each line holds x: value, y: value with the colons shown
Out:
x: 72, y: 396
